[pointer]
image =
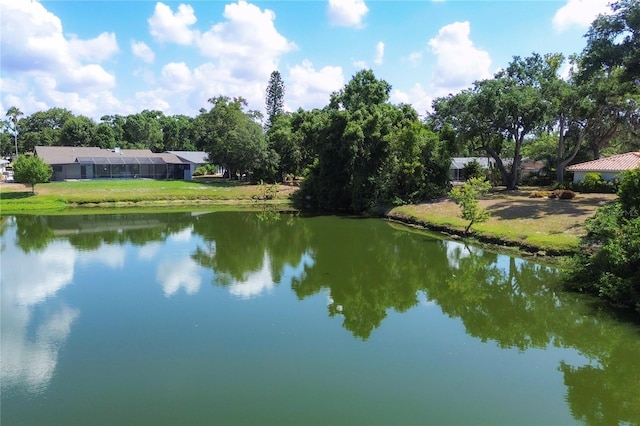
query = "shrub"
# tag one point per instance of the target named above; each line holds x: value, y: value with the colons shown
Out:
x: 593, y: 183
x: 629, y: 192
x: 473, y: 169
x: 536, y: 179
x: 563, y: 194
x: 540, y: 194
x: 207, y: 169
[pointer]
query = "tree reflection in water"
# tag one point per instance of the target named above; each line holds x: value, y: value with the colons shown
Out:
x: 370, y: 269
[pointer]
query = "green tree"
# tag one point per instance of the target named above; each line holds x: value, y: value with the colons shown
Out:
x: 499, y: 115
x: 78, y: 131
x: 6, y: 143
x: 42, y: 128
x: 14, y: 115
x: 143, y: 130
x: 613, y: 40
x: 287, y: 143
x: 629, y: 192
x: 466, y: 196
x: 104, y: 136
x: 274, y: 97
x: 352, y: 146
x: 176, y: 132
x: 231, y: 136
x: 609, y: 264
x: 31, y: 170
x: 473, y: 169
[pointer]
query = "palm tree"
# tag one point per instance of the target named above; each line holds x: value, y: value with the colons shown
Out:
x: 14, y: 114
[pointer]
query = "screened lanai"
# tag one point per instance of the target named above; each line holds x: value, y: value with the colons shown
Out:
x: 125, y: 167
x: 97, y: 163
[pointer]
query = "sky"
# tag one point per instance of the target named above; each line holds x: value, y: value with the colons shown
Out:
x: 97, y: 58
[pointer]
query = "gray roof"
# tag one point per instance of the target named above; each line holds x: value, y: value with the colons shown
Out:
x: 195, y: 157
x: 94, y: 155
x: 460, y: 162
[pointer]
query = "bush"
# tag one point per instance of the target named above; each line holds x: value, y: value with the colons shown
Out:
x: 629, y: 192
x: 207, y: 169
x: 593, y: 183
x: 535, y: 179
x: 473, y: 169
x: 563, y: 194
x: 540, y: 194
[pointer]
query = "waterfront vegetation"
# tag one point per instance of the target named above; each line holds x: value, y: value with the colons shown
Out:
x: 515, y: 219
x: 57, y: 196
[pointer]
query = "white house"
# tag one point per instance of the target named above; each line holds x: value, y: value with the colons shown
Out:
x: 608, y: 167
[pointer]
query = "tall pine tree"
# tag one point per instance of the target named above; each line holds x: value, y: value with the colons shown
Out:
x: 274, y: 97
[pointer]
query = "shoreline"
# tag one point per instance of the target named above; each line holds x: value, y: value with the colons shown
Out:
x: 532, y: 227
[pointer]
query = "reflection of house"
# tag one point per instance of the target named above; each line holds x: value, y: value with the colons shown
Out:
x: 98, y: 163
x: 195, y: 159
x: 608, y: 168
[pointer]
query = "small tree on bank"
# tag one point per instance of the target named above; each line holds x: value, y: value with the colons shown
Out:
x: 466, y: 196
x: 31, y: 170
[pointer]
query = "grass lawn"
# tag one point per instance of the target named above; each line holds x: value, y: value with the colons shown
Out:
x: 17, y: 198
x: 536, y: 224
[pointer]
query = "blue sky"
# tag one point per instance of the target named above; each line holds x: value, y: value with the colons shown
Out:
x: 97, y: 57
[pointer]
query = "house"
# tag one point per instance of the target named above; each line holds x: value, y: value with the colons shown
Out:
x: 608, y: 167
x: 97, y: 163
x: 195, y: 159
x: 6, y: 172
x: 458, y: 164
x: 527, y: 166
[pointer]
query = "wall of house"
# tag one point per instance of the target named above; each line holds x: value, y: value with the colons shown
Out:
x: 65, y: 171
x: 579, y: 175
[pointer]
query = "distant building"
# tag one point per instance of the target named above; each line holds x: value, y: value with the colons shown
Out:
x: 458, y: 164
x: 607, y: 167
x: 195, y: 159
x: 456, y: 174
x: 98, y: 163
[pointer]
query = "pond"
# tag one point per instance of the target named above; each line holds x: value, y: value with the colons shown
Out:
x: 259, y: 318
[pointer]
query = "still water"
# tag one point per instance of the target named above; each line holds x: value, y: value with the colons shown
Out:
x: 253, y: 318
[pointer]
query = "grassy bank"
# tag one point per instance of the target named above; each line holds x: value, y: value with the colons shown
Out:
x: 544, y: 225
x: 533, y: 224
x: 56, y: 196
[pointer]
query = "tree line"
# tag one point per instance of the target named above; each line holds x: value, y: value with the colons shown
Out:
x: 360, y: 150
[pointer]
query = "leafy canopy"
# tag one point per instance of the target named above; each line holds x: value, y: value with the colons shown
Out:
x: 31, y: 170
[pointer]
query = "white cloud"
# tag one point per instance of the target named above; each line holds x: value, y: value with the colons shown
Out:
x: 347, y: 13
x: 308, y: 88
x: 416, y: 97
x: 360, y: 65
x: 46, y: 67
x: 379, y: 58
x: 176, y: 274
x: 142, y: 51
x: 177, y: 77
x: 98, y: 49
x: 167, y: 27
x: 108, y: 254
x: 579, y: 13
x: 247, y: 43
x: 459, y: 63
x: 149, y: 250
x: 182, y: 236
x: 255, y: 283
x: 414, y: 58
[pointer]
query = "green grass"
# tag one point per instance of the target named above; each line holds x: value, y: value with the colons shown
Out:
x: 122, y: 193
x: 538, y: 226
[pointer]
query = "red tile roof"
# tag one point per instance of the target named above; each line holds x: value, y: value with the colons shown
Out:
x: 615, y: 163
